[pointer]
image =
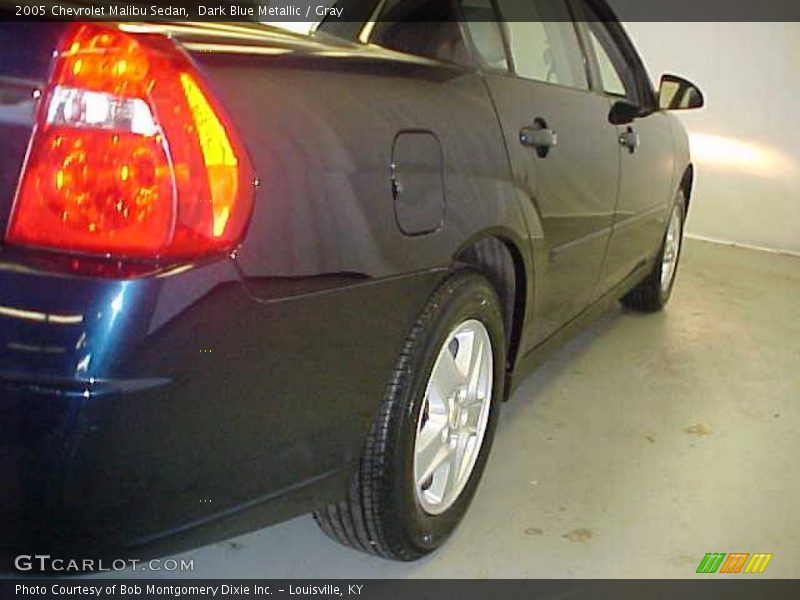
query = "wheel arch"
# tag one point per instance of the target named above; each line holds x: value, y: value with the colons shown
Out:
x: 687, y: 183
x: 503, y: 263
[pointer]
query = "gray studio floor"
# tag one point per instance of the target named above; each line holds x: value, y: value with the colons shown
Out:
x: 640, y: 446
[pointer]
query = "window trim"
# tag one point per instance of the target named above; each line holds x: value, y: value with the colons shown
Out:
x: 501, y: 25
x: 478, y: 62
x: 644, y: 87
x: 593, y: 63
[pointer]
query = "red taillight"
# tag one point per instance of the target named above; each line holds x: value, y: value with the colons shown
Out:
x: 130, y: 157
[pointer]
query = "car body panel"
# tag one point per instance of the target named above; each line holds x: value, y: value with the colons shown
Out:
x: 644, y: 201
x: 571, y: 192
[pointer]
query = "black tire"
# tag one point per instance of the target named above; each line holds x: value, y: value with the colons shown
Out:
x: 649, y: 295
x: 381, y: 514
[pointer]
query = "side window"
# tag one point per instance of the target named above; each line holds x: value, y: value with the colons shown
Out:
x: 610, y: 79
x: 544, y: 44
x: 427, y: 28
x: 620, y: 70
x: 484, y: 30
x: 617, y: 77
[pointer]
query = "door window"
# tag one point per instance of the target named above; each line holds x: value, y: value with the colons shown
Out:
x: 617, y: 65
x: 481, y: 21
x: 544, y: 44
x: 617, y: 77
x: 610, y: 79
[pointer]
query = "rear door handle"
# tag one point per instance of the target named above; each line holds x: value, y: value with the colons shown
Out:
x: 630, y: 139
x: 538, y: 136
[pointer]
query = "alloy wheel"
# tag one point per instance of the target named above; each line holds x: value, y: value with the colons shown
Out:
x: 453, y: 417
x: 672, y: 248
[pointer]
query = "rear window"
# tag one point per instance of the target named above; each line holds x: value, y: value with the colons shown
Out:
x: 427, y: 28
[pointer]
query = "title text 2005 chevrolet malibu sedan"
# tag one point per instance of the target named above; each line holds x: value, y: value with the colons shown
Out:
x: 247, y: 274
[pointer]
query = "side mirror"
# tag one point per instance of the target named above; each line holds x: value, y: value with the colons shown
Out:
x: 624, y: 112
x: 676, y: 93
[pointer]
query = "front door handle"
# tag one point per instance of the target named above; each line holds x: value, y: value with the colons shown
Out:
x: 630, y: 139
x: 538, y: 136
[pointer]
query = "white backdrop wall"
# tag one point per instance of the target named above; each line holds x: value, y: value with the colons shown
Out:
x: 746, y: 142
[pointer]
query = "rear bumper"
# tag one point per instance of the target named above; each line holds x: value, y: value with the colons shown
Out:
x: 142, y: 416
x: 91, y: 375
x: 112, y: 476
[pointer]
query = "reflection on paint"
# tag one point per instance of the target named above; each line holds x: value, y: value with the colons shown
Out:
x: 83, y: 364
x: 32, y: 315
x: 20, y: 347
x: 731, y: 153
x: 204, y: 47
x: 302, y: 27
x: 116, y: 304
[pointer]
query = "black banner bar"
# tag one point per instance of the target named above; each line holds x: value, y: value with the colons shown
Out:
x: 282, y: 11
x: 711, y: 588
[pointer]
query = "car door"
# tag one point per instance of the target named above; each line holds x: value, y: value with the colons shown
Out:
x: 563, y: 153
x: 645, y: 148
